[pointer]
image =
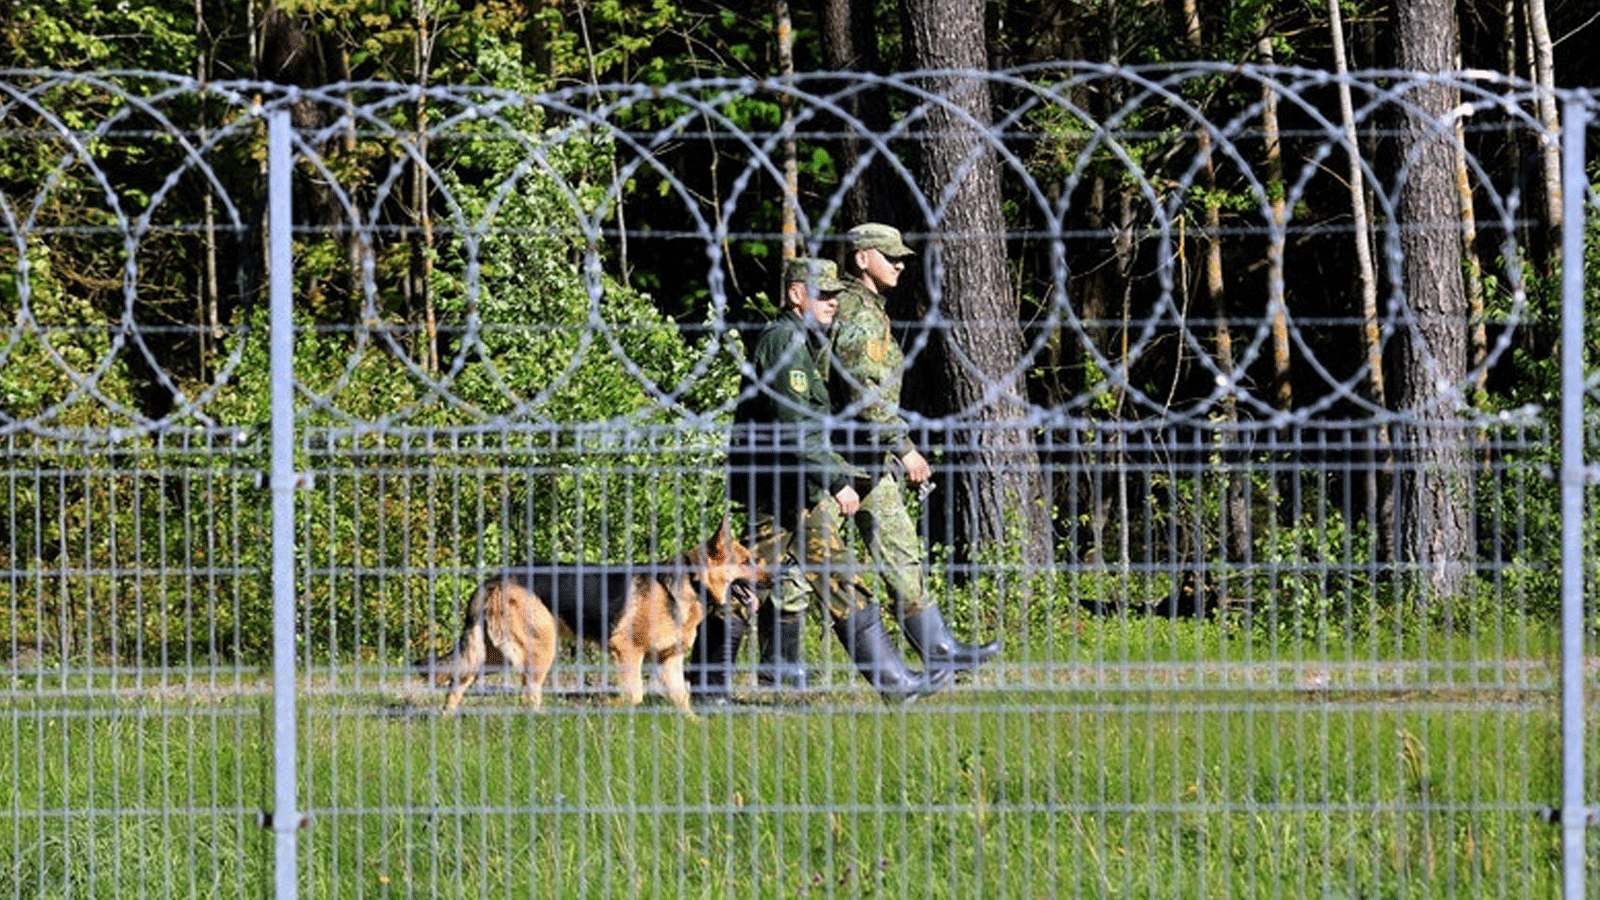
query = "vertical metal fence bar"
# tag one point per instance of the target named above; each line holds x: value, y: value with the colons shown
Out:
x: 1574, y: 481
x: 285, y: 816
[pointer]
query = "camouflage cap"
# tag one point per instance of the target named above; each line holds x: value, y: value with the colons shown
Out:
x: 821, y: 273
x: 874, y: 236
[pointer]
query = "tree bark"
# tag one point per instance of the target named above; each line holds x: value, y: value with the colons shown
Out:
x: 1472, y: 271
x: 1366, y: 272
x: 421, y: 283
x: 849, y: 43
x: 1434, y: 496
x: 999, y: 496
x: 1277, y: 304
x: 791, y: 166
x: 1544, y: 77
x: 1235, y: 525
x: 1380, y: 485
x: 210, y: 315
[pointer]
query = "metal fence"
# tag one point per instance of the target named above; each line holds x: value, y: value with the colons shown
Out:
x: 286, y: 372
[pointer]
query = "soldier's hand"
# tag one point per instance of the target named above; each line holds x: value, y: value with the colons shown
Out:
x: 849, y: 501
x: 917, y: 468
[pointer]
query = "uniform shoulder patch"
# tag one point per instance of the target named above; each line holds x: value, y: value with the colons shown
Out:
x: 798, y: 381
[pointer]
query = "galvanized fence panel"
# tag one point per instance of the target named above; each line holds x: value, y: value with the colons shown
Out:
x: 287, y: 374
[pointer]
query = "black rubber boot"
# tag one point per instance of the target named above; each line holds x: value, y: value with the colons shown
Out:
x: 928, y: 634
x: 711, y: 662
x: 779, y: 636
x: 878, y: 660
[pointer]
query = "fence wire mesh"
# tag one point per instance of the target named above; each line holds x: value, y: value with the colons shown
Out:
x: 1266, y: 534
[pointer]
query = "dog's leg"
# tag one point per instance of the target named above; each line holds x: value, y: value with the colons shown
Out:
x: 469, y: 665
x: 671, y: 669
x: 533, y: 683
x: 459, y: 682
x: 472, y: 650
x: 532, y: 686
x: 629, y: 661
x: 541, y: 655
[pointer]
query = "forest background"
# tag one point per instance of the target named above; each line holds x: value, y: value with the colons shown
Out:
x: 202, y: 295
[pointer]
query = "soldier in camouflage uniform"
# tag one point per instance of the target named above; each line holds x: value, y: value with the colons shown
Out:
x: 799, y: 494
x: 868, y: 366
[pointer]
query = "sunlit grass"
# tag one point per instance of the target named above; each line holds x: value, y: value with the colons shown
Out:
x: 1152, y: 760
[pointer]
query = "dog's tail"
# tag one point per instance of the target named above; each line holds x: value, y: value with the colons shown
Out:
x: 468, y: 654
x: 438, y: 670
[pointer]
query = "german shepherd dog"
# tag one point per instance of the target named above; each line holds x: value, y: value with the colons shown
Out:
x: 644, y: 610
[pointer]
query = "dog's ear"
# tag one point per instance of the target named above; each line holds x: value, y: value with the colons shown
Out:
x: 721, y: 542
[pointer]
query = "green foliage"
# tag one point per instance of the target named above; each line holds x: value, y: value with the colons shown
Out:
x: 555, y: 335
x: 139, y: 552
x: 610, y: 40
x: 1314, y: 580
x: 557, y: 332
x: 1532, y: 305
x: 544, y: 344
x: 76, y: 35
x: 543, y: 347
x: 428, y: 42
x: 63, y: 349
x: 1522, y: 502
x: 1316, y: 577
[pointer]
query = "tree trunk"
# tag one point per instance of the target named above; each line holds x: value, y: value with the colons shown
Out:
x: 210, y: 315
x: 1235, y: 525
x: 1108, y: 211
x: 999, y: 495
x: 849, y: 42
x: 1380, y: 483
x: 791, y: 167
x: 1478, y: 350
x: 1544, y: 77
x: 1277, y: 304
x: 422, y: 256
x: 1435, y: 525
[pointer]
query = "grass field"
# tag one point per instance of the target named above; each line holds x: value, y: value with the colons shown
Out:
x: 1180, y: 770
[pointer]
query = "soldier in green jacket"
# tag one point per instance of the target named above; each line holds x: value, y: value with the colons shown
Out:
x: 868, y: 367
x: 799, y: 495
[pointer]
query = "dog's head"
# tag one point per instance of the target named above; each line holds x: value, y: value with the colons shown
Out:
x: 732, y: 573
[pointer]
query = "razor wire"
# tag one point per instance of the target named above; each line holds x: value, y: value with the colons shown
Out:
x: 1144, y: 136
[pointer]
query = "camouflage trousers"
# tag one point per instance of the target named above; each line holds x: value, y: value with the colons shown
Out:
x: 818, y: 559
x: 813, y: 558
x: 893, y: 542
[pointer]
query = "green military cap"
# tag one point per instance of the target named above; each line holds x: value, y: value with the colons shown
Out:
x: 820, y: 273
x: 873, y: 236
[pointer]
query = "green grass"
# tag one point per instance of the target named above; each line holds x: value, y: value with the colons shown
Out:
x: 1156, y: 760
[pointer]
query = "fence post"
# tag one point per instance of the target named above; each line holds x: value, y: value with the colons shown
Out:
x: 285, y: 816
x: 1574, y: 483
